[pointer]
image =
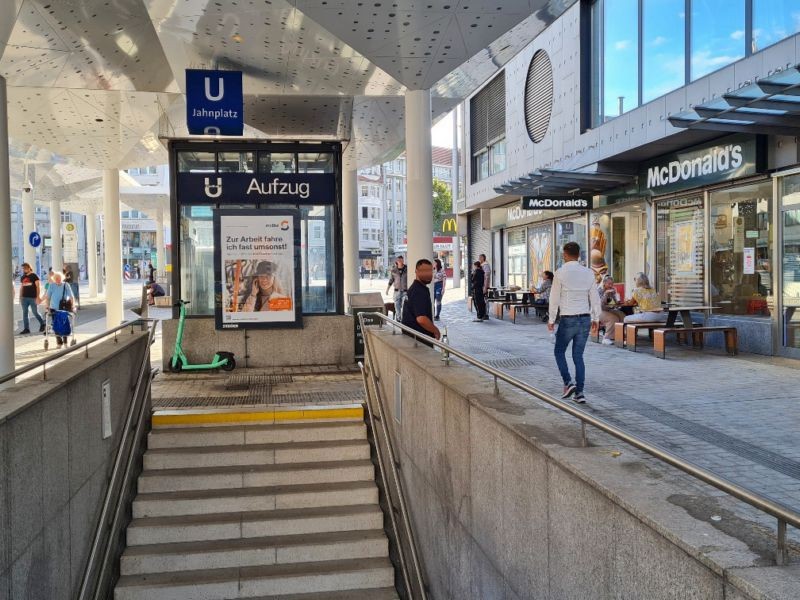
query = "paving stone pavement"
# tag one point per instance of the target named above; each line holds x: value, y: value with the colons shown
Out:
x: 736, y: 416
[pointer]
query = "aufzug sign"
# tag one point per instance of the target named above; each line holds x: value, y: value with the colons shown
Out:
x: 214, y: 102
x: 729, y: 158
x: 232, y: 188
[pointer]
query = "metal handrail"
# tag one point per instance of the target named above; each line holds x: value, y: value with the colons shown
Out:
x: 407, y: 533
x: 42, y: 362
x: 101, y: 559
x: 784, y: 514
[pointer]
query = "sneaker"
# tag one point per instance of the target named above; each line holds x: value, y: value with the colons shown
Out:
x: 579, y: 398
x: 41, y: 329
x: 24, y: 331
x: 607, y: 342
x: 477, y: 320
x: 435, y: 318
x: 568, y: 391
x: 486, y: 318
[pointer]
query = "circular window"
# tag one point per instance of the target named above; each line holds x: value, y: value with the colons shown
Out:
x: 538, y: 96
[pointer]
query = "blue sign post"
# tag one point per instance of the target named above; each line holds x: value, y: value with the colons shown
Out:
x: 214, y: 102
x: 34, y: 239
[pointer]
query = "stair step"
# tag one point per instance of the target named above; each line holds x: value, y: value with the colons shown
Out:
x: 210, y: 478
x: 254, y: 551
x: 267, y: 415
x: 376, y: 594
x: 255, y: 454
x: 199, y: 502
x: 225, y: 526
x: 259, y: 582
x: 194, y: 516
x: 281, y: 433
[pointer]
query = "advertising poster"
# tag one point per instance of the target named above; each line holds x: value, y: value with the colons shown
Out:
x: 69, y: 235
x: 684, y: 248
x: 540, y: 251
x: 749, y: 261
x: 257, y: 269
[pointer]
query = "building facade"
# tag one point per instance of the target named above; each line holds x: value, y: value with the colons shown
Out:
x: 678, y: 126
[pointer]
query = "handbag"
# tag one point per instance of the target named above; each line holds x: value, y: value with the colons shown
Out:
x: 66, y: 301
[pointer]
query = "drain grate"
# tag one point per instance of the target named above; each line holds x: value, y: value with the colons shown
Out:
x: 244, y: 382
x: 510, y: 363
x: 200, y: 402
x: 319, y: 397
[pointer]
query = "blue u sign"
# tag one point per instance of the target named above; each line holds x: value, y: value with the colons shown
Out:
x: 214, y: 102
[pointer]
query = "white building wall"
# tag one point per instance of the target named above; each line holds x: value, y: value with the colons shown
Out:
x: 565, y: 147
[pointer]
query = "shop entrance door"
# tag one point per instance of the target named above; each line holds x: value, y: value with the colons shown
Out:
x: 790, y: 309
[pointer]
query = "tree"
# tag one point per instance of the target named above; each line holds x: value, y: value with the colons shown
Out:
x: 442, y: 203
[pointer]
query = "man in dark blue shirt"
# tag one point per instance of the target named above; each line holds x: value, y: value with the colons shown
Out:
x: 418, y: 308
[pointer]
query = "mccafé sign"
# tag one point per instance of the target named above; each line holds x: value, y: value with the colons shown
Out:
x: 731, y: 157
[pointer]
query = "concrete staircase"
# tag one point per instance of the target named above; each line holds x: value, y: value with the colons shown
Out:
x: 275, y: 504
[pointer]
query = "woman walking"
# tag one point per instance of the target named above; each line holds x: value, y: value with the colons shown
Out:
x: 439, y: 281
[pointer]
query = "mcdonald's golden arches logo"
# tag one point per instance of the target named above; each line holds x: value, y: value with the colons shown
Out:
x: 449, y: 224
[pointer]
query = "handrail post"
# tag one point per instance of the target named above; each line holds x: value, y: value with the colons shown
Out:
x: 782, y: 550
x: 584, y: 439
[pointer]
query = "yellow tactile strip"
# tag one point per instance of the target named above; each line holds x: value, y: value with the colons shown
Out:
x: 270, y: 415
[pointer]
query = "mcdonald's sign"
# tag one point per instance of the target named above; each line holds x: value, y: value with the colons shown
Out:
x: 449, y: 223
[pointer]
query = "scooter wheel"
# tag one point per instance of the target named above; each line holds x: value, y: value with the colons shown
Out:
x: 230, y: 365
x: 175, y: 367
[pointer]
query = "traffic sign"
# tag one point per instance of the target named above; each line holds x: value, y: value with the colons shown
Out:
x: 34, y: 239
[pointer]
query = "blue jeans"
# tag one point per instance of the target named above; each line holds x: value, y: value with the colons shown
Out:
x: 575, y: 330
x: 399, y: 300
x: 30, y: 303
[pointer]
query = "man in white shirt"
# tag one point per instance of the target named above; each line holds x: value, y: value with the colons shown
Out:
x: 487, y: 279
x: 574, y: 296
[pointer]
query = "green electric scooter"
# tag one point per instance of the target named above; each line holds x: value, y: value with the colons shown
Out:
x: 179, y: 362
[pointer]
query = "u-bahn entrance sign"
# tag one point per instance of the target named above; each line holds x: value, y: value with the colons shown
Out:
x: 214, y: 102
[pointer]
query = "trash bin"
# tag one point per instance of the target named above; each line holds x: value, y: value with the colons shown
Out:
x: 366, y: 302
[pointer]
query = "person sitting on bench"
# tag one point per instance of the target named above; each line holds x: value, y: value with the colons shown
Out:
x: 543, y: 291
x: 609, y: 301
x: 153, y: 291
x: 647, y: 301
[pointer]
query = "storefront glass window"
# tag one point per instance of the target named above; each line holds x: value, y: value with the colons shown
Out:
x: 718, y: 34
x: 740, y: 257
x: 317, y: 244
x: 517, y: 258
x: 237, y: 162
x: 276, y: 162
x: 680, y: 249
x: 774, y: 20
x: 315, y: 162
x: 621, y: 56
x: 790, y: 221
x: 663, y: 47
x: 571, y: 230
x: 197, y: 258
x: 197, y: 162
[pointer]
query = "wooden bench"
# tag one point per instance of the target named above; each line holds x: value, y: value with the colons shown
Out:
x: 632, y: 332
x: 698, y: 335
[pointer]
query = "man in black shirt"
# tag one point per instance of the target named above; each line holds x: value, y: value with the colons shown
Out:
x: 29, y: 297
x: 418, y: 308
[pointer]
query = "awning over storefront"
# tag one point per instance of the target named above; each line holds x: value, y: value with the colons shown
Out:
x: 769, y: 106
x: 553, y: 181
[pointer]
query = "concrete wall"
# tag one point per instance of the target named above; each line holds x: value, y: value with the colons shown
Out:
x: 323, y: 340
x: 507, y: 505
x: 54, y: 467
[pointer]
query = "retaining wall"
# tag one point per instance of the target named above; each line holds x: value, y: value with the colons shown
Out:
x: 508, y: 505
